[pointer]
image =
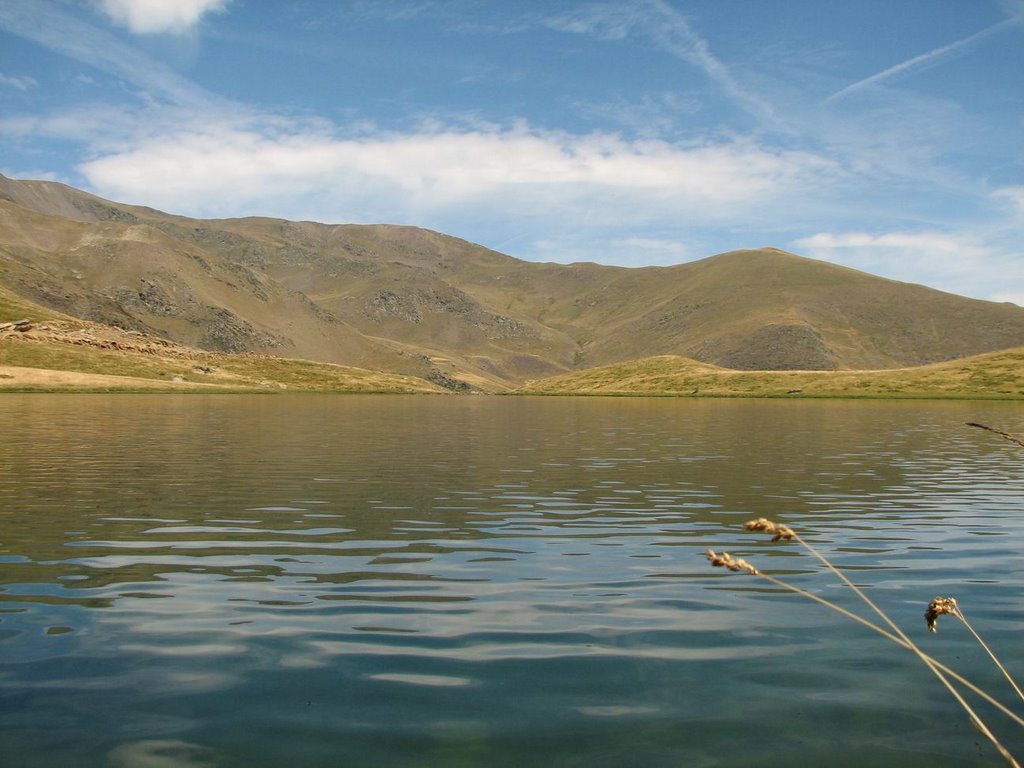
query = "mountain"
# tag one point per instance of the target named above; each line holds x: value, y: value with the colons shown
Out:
x: 420, y: 303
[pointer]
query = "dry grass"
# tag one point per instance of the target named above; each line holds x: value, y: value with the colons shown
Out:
x: 14, y: 307
x: 63, y: 362
x: 993, y: 375
x: 939, y: 606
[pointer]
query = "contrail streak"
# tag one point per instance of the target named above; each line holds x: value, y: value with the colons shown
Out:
x: 924, y: 59
x: 673, y: 33
x: 47, y: 24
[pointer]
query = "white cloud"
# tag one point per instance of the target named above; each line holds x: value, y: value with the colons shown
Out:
x: 938, y: 258
x: 1014, y: 297
x: 924, y: 242
x: 1012, y: 196
x: 959, y: 262
x: 18, y: 82
x: 32, y: 173
x: 145, y: 17
x: 227, y: 170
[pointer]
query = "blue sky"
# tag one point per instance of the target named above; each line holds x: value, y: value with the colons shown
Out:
x: 885, y: 136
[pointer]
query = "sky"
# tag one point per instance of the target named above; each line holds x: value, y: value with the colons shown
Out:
x: 884, y: 136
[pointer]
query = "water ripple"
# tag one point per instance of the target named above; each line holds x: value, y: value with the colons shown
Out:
x: 408, y: 581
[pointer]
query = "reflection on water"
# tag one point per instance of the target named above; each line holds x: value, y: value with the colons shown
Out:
x: 412, y: 581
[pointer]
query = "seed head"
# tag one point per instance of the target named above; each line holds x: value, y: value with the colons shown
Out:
x: 939, y: 607
x: 725, y: 560
x: 778, y: 530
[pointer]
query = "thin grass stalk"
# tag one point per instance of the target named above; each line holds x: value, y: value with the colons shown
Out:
x: 734, y: 564
x: 910, y: 644
x: 991, y: 654
x: 787, y: 533
x: 894, y: 638
x: 859, y: 592
x: 959, y: 613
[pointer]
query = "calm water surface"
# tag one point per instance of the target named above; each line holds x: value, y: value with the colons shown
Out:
x: 392, y: 581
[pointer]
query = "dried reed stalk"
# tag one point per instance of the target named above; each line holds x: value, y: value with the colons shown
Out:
x: 780, y: 531
x: 725, y: 557
x: 942, y: 606
x: 956, y: 608
x: 1012, y: 438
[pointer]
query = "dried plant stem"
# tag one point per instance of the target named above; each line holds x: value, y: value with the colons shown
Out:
x: 860, y: 593
x: 889, y: 635
x: 908, y: 643
x: 991, y: 654
x: 1007, y: 435
x: 959, y: 613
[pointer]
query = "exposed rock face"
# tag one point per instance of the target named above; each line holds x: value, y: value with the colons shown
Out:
x: 151, y: 297
x: 779, y: 348
x: 385, y: 303
x: 414, y: 305
x: 444, y: 380
x: 226, y: 332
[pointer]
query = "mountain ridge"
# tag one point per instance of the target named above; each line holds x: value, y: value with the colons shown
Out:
x: 417, y: 302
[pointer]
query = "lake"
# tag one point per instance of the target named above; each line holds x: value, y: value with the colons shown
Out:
x: 487, y: 581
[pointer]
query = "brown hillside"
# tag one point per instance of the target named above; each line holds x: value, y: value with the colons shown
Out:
x: 416, y: 302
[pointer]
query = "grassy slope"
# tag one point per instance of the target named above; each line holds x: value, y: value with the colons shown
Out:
x: 22, y: 360
x: 313, y: 291
x: 203, y: 284
x: 14, y: 307
x: 436, y: 309
x: 997, y: 375
x: 770, y: 309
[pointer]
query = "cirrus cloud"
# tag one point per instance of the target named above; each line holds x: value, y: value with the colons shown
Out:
x: 1013, y: 197
x: 18, y: 82
x: 917, y: 242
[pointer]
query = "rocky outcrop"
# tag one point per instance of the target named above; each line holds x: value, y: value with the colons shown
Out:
x: 776, y: 348
x: 227, y: 332
x: 413, y: 306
